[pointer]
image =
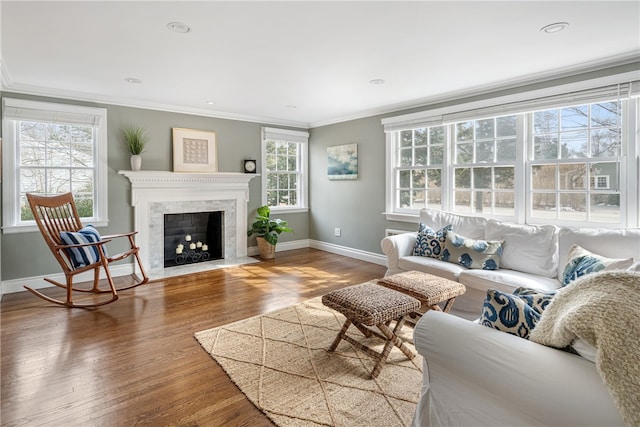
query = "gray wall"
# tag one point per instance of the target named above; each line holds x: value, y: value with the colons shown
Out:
x: 26, y: 255
x: 354, y: 206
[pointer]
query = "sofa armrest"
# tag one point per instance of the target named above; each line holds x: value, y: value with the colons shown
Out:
x: 475, y: 375
x: 396, y: 247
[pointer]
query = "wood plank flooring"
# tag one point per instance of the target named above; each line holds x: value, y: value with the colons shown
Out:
x: 136, y: 362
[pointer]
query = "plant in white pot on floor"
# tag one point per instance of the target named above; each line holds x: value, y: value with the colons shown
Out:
x: 135, y: 138
x: 267, y: 231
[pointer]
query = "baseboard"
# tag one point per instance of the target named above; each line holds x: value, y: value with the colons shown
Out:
x: 38, y: 282
x: 349, y: 252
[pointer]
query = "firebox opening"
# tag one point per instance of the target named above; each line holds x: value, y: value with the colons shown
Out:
x: 193, y: 237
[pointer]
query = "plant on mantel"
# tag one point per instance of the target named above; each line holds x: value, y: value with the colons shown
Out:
x: 267, y: 230
x: 135, y: 139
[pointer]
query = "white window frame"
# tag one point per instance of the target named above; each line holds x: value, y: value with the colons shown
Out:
x: 293, y: 136
x: 397, y: 169
x: 621, y: 86
x: 15, y: 110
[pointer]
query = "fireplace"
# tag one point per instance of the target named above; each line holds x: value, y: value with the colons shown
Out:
x: 155, y: 194
x: 193, y: 237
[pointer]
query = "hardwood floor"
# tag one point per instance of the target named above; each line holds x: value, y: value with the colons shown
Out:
x: 136, y: 362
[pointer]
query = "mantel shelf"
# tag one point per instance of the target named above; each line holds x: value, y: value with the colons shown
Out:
x: 165, y: 179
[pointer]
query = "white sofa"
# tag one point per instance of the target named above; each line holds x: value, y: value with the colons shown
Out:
x: 533, y: 256
x: 477, y: 376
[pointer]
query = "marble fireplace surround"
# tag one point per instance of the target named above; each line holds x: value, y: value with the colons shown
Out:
x: 156, y: 193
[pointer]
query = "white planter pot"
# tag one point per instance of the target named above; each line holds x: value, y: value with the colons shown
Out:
x: 136, y: 162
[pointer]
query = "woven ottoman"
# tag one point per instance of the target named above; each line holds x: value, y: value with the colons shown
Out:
x: 369, y: 305
x: 429, y: 289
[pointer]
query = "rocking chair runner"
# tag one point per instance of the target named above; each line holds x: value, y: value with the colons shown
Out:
x: 78, y: 249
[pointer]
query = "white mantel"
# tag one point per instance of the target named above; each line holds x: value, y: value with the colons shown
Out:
x: 155, y: 193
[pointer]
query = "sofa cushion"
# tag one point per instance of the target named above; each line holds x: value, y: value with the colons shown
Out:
x: 82, y: 256
x: 430, y: 265
x: 619, y: 243
x: 527, y: 248
x: 430, y: 242
x: 505, y: 280
x: 581, y: 262
x: 508, y: 313
x: 470, y: 226
x: 471, y: 253
x: 584, y: 349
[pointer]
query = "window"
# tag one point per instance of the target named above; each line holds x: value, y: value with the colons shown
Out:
x: 284, y: 169
x: 484, y: 166
x: 419, y: 168
x: 600, y: 182
x: 568, y: 158
x: 53, y: 149
x: 576, y: 152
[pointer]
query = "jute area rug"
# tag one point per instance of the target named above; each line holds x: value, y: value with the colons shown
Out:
x: 280, y: 362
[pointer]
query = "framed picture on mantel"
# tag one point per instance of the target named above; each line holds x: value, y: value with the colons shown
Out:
x: 194, y: 151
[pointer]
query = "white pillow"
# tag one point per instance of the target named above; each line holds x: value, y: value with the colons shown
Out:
x: 635, y: 267
x: 526, y: 248
x: 468, y: 226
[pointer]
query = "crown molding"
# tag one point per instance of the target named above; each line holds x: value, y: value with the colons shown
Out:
x: 134, y: 103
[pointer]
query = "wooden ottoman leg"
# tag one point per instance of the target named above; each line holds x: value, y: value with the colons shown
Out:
x: 449, y: 304
x: 392, y: 339
x: 341, y: 334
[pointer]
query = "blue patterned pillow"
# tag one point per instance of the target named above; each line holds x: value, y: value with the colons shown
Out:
x: 429, y: 243
x: 538, y: 300
x: 82, y: 256
x: 508, y: 313
x: 582, y: 262
x: 478, y: 254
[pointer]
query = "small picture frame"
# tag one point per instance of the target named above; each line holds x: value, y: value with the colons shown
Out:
x: 342, y: 162
x: 194, y: 151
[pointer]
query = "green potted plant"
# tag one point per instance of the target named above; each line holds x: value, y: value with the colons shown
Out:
x: 135, y: 138
x: 267, y: 230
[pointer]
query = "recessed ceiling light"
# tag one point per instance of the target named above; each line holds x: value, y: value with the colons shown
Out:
x: 211, y: 102
x: 133, y: 80
x: 178, y: 27
x: 556, y: 27
x: 376, y: 81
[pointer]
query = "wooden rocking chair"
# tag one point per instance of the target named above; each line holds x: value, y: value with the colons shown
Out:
x: 78, y: 249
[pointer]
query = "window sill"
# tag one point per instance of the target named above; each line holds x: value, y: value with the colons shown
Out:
x: 392, y: 216
x: 288, y: 210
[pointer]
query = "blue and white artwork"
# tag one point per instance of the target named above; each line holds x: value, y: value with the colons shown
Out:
x: 342, y: 162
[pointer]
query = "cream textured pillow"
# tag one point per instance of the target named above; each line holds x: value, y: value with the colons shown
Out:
x: 470, y: 253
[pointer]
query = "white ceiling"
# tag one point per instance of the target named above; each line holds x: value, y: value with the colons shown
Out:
x: 302, y: 63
